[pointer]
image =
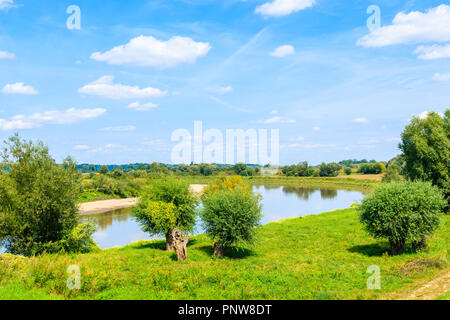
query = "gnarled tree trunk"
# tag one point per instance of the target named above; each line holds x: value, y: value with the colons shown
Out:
x: 219, y: 250
x: 169, y: 241
x: 179, y: 244
x: 397, y: 247
x: 419, y: 245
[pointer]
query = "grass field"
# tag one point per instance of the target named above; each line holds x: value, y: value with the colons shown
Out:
x: 315, y: 257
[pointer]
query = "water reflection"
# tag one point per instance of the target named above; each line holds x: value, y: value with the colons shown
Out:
x: 118, y: 228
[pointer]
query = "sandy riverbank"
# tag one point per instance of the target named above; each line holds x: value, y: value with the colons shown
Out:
x: 103, y: 206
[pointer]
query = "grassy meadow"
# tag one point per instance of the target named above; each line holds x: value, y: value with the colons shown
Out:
x: 315, y: 257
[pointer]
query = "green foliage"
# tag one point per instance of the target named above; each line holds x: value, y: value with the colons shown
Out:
x: 157, y: 217
x: 392, y: 174
x: 299, y: 170
x: 173, y: 201
x: 243, y: 170
x: 38, y: 198
x: 329, y: 170
x: 426, y: 148
x: 78, y: 240
x: 230, y: 216
x: 372, y: 168
x: 348, y: 171
x: 402, y: 212
x: 227, y: 183
x: 103, y: 170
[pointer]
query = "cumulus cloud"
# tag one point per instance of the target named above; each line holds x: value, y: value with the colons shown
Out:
x: 360, y: 120
x: 7, y: 55
x: 35, y: 120
x: 277, y: 119
x: 220, y: 90
x: 441, y: 77
x: 146, y: 51
x: 119, y: 128
x: 414, y: 27
x: 433, y: 52
x: 142, y: 107
x: 19, y: 88
x: 283, y: 51
x: 106, y: 88
x: 279, y: 8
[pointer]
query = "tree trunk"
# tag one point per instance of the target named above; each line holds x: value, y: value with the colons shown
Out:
x: 169, y: 241
x: 397, y: 247
x: 419, y: 245
x: 219, y: 250
x: 180, y: 244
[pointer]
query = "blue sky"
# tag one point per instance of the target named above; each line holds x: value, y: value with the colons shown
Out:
x: 115, y: 90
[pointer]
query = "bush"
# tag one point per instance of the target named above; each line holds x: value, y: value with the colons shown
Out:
x: 329, y: 170
x: 299, y: 170
x: 166, y: 205
x: 402, y: 212
x: 230, y: 218
x: 227, y: 183
x: 392, y: 174
x: 38, y: 198
x: 372, y: 168
x: 348, y: 171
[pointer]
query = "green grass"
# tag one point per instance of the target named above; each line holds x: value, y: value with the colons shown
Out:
x: 444, y: 296
x: 315, y: 257
x: 88, y: 196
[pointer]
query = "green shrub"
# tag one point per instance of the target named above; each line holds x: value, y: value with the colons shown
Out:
x: 166, y: 205
x: 230, y: 218
x: 392, y: 174
x: 403, y: 212
x: 227, y: 183
x: 372, y: 168
x: 348, y: 171
x: 329, y: 170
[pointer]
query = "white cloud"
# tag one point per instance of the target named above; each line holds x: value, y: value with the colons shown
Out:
x: 393, y: 140
x: 283, y: 51
x: 441, y: 77
x: 6, y: 4
x: 35, y: 120
x: 277, y: 119
x: 105, y: 87
x: 413, y: 27
x: 433, y: 52
x: 316, y: 129
x: 7, y: 55
x: 142, y: 107
x: 300, y: 138
x: 274, y: 112
x: 279, y: 8
x: 425, y: 115
x: 81, y: 147
x: 119, y: 128
x: 360, y: 120
x: 220, y: 90
x: 149, y: 52
x: 19, y: 88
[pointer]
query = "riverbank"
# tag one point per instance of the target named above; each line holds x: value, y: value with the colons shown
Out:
x: 316, y: 257
x: 102, y: 206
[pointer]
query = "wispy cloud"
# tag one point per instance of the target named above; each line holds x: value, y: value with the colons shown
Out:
x: 7, y: 55
x: 220, y: 90
x: 7, y: 4
x: 277, y: 119
x: 283, y: 51
x: 106, y: 88
x: 360, y: 120
x: 19, y: 88
x: 279, y: 8
x: 119, y: 128
x: 35, y: 120
x: 150, y: 52
x: 441, y: 77
x: 433, y: 52
x: 142, y: 107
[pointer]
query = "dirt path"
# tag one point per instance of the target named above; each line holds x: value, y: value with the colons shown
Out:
x: 430, y: 290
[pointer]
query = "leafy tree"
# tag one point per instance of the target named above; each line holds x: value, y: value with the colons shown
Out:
x: 299, y: 170
x: 38, y: 200
x: 426, y: 148
x: 392, y: 174
x: 166, y: 205
x: 348, y: 171
x: 103, y: 170
x: 402, y: 212
x: 230, y: 217
x: 227, y: 183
